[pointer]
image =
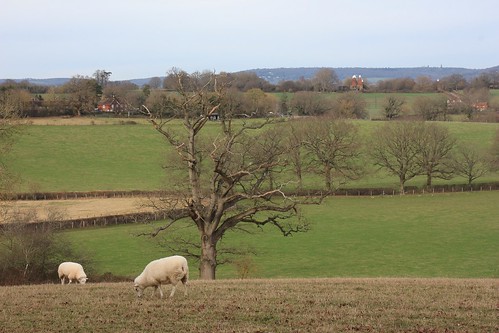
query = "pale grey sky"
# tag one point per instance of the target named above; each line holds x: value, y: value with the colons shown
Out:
x: 144, y: 38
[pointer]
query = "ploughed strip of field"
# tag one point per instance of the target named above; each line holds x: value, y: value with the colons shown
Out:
x: 43, y: 210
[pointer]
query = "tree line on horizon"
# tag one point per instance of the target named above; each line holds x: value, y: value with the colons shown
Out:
x: 257, y: 97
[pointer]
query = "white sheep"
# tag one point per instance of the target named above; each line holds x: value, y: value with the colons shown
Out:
x: 169, y: 270
x: 72, y: 271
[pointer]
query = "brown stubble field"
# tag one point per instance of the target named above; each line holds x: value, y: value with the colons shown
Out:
x: 277, y: 305
x: 72, y: 209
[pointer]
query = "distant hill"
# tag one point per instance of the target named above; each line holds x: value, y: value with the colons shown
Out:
x: 42, y: 82
x: 275, y: 75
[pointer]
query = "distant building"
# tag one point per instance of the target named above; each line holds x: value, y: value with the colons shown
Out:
x: 480, y: 106
x: 357, y: 83
x: 110, y: 105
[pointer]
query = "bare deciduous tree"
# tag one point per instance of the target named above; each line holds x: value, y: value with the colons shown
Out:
x: 395, y: 148
x: 295, y: 136
x: 393, y: 107
x: 469, y: 163
x: 350, y: 105
x: 102, y: 77
x: 228, y: 177
x: 308, y: 103
x: 429, y: 108
x: 155, y: 82
x: 257, y: 103
x: 82, y: 94
x: 452, y: 82
x: 333, y: 149
x: 325, y: 80
x: 424, y: 84
x: 435, y: 146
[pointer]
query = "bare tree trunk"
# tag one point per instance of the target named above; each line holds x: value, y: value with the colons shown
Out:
x: 208, y: 264
x: 402, y: 186
x: 428, y: 179
x: 193, y: 167
x: 329, y: 182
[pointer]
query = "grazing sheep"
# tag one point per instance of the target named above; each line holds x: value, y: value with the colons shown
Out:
x: 169, y: 270
x: 72, y: 271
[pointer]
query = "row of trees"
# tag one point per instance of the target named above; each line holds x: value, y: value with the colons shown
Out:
x: 256, y: 103
x: 79, y: 97
x: 453, y: 82
x: 326, y: 80
x: 439, y: 107
x: 336, y: 150
x: 81, y: 94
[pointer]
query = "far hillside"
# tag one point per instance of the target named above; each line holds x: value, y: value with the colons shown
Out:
x: 274, y: 75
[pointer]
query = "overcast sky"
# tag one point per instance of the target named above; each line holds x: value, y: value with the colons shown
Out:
x: 145, y: 38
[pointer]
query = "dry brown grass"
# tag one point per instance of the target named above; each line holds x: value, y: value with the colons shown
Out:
x: 300, y: 305
x: 76, y: 121
x: 40, y: 210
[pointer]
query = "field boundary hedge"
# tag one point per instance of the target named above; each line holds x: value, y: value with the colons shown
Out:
x: 97, y: 221
x: 493, y: 186
x: 145, y: 217
x: 82, y: 195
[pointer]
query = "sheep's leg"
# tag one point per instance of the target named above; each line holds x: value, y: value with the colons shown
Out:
x: 63, y: 279
x: 185, y: 287
x: 173, y: 290
x: 160, y: 291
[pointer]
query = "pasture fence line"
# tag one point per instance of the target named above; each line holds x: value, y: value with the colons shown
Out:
x: 98, y: 221
x: 145, y: 217
x: 74, y: 195
x: 408, y: 190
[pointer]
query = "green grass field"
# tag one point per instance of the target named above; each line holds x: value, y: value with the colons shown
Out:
x: 85, y: 158
x: 375, y: 101
x: 444, y: 235
x: 130, y: 157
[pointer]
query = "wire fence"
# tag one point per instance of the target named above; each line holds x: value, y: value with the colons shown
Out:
x: 493, y: 186
x: 144, y: 217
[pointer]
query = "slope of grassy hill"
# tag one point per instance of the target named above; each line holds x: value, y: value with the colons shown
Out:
x: 131, y: 157
x: 444, y: 235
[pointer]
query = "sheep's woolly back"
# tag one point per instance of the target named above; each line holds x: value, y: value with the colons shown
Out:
x: 71, y: 270
x: 163, y: 271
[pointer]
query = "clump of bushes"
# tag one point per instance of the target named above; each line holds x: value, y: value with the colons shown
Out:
x: 31, y: 255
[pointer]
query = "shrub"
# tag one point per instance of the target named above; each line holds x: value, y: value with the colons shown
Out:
x: 32, y: 255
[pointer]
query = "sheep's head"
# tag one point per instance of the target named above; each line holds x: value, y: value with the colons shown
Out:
x: 138, y: 289
x: 83, y: 280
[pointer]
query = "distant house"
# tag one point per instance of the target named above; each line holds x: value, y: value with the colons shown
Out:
x: 214, y: 116
x: 357, y: 83
x: 480, y: 106
x: 110, y: 105
x: 454, y: 99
